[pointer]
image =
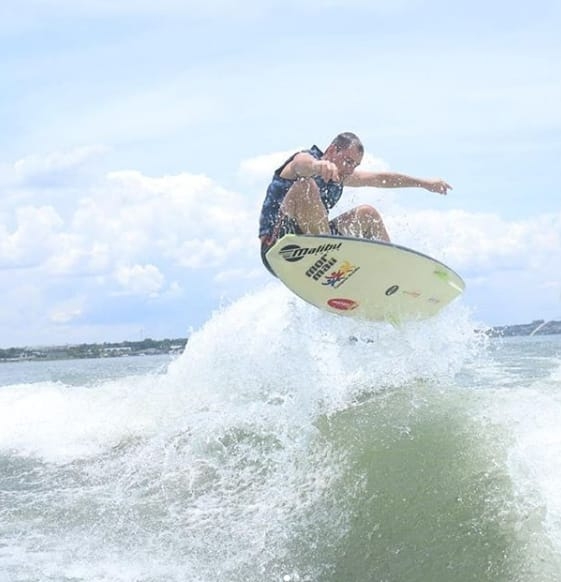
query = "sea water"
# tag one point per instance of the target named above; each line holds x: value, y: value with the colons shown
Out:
x: 286, y: 444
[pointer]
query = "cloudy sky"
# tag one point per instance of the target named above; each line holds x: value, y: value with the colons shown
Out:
x: 138, y: 138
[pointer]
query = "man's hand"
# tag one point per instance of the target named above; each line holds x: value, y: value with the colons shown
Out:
x: 437, y: 185
x: 326, y: 170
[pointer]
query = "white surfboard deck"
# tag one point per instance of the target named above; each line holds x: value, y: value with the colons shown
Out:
x: 361, y: 278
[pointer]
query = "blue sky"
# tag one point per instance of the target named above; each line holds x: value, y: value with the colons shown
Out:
x: 138, y: 137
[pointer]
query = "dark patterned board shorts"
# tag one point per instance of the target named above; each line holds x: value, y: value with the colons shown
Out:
x: 286, y: 225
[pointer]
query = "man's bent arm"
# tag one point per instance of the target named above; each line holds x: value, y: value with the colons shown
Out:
x: 301, y: 166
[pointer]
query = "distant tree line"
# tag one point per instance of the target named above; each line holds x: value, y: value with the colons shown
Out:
x: 106, y: 349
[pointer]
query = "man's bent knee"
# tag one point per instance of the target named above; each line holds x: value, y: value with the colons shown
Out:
x: 367, y: 211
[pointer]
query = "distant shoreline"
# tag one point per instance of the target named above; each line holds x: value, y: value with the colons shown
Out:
x: 536, y: 327
x: 150, y: 347
x: 146, y: 347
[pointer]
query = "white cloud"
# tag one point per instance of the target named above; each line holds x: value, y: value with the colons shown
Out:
x: 373, y: 163
x: 236, y: 275
x: 186, y: 219
x: 67, y: 311
x: 33, y: 237
x: 76, y: 255
x: 36, y: 166
x: 198, y: 254
x: 140, y: 279
x: 126, y: 233
x: 189, y: 221
x: 483, y: 243
x: 141, y: 236
x: 259, y: 169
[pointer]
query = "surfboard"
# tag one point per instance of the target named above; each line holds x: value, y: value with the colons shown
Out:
x: 361, y: 278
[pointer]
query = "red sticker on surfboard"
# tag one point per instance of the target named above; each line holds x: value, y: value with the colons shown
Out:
x: 342, y: 304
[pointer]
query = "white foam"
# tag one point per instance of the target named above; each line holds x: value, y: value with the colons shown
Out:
x: 60, y: 423
x: 273, y: 341
x: 224, y: 447
x: 269, y: 359
x: 530, y: 414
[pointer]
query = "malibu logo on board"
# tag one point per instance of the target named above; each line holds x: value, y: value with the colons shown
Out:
x: 292, y: 253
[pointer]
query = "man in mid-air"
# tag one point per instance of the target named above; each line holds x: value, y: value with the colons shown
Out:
x: 311, y: 182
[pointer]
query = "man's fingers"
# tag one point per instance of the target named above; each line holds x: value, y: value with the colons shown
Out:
x: 328, y: 171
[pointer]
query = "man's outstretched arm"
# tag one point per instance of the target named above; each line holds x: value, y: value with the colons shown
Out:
x: 394, y: 180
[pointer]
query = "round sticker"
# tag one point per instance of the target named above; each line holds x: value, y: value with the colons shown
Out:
x: 342, y: 304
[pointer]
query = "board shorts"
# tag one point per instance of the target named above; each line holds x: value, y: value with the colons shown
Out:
x: 286, y: 225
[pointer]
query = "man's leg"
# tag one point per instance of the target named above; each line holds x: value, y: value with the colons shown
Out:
x: 362, y: 222
x: 303, y: 203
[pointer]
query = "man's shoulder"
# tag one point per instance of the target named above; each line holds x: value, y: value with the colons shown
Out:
x: 315, y: 151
